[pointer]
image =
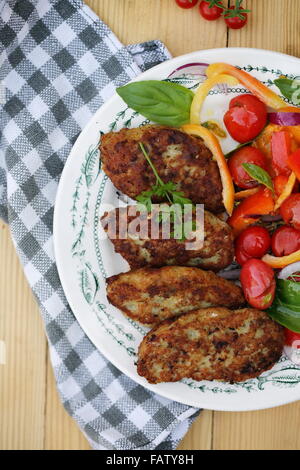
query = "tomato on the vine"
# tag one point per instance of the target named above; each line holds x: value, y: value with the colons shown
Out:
x: 290, y: 210
x: 253, y: 242
x: 246, y: 118
x: 236, y: 16
x: 258, y: 283
x: 186, y: 3
x: 285, y: 240
x: 235, y: 164
x: 211, y: 9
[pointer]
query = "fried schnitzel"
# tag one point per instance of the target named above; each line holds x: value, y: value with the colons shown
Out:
x: 177, y: 157
x: 151, y: 295
x: 211, y: 344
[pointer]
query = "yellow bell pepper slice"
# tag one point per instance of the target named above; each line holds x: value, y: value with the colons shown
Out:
x: 267, y: 96
x: 203, y: 91
x: 213, y: 145
x: 281, y: 262
x: 287, y: 191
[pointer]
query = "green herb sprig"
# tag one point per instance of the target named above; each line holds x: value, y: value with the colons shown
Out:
x: 161, y: 190
x: 169, y: 192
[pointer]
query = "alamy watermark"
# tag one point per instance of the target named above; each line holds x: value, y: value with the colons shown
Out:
x: 184, y: 223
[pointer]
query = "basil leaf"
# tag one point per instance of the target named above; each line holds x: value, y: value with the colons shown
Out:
x: 286, y: 315
x: 259, y: 174
x: 289, y: 88
x: 162, y: 102
x: 288, y: 291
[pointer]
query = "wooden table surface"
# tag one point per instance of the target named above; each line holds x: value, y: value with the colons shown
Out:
x: 31, y: 415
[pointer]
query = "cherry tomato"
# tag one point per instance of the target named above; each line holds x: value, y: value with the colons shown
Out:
x: 290, y: 210
x: 292, y: 338
x: 186, y: 3
x: 245, y: 155
x: 253, y: 242
x: 238, y: 21
x: 246, y: 118
x: 258, y: 283
x: 208, y: 12
x: 285, y: 240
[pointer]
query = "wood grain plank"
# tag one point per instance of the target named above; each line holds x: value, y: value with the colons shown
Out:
x: 27, y: 421
x: 273, y: 25
x: 274, y: 429
x: 22, y: 378
x: 181, y: 30
x: 61, y: 431
x: 199, y: 436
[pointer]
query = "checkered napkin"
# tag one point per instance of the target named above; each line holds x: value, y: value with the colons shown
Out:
x: 58, y: 64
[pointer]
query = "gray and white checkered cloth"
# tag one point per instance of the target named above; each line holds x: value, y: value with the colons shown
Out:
x: 58, y: 64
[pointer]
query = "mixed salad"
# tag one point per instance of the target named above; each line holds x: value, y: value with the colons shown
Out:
x: 260, y: 178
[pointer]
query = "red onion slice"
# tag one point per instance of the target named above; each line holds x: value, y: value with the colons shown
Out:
x: 289, y: 270
x: 195, y: 70
x: 285, y: 119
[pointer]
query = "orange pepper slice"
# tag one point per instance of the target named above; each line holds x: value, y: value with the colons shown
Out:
x: 267, y: 96
x: 280, y: 183
x: 246, y: 193
x: 260, y: 203
x: 214, y: 146
x: 294, y: 163
x: 281, y: 262
x: 287, y: 191
x: 203, y: 91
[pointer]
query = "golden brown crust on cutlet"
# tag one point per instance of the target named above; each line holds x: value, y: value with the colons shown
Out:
x: 217, y: 251
x: 211, y: 344
x: 151, y: 295
x: 178, y: 157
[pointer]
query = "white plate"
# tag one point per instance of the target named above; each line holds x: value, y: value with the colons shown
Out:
x: 84, y: 259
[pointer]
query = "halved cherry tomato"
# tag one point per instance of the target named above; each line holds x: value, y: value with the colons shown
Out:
x: 246, y: 118
x: 292, y: 338
x: 186, y: 3
x: 253, y: 242
x: 294, y: 163
x: 290, y: 210
x: 212, y: 12
x: 281, y: 149
x: 258, y: 283
x: 250, y: 209
x: 235, y: 164
x: 285, y: 240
